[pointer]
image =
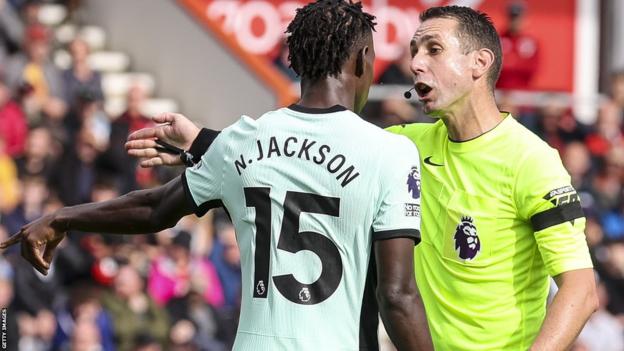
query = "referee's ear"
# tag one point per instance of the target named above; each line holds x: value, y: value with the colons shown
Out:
x: 482, y: 62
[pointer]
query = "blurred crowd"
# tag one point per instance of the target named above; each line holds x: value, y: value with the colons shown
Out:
x: 173, y: 290
x: 180, y: 289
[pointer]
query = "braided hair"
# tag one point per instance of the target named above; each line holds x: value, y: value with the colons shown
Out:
x: 322, y: 35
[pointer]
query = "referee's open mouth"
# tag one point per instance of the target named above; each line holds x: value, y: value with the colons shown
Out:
x: 422, y: 89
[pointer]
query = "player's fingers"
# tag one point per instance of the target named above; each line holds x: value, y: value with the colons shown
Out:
x: 145, y: 133
x: 14, y: 239
x: 48, y: 254
x: 151, y: 162
x: 31, y: 253
x: 143, y: 153
x: 164, y: 118
x: 140, y: 144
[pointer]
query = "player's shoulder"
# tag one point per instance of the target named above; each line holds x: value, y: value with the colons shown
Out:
x: 247, y: 125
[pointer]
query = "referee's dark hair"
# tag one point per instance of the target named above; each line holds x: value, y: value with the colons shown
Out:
x: 323, y: 34
x: 477, y: 31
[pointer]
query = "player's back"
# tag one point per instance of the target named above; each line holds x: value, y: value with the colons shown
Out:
x: 305, y: 190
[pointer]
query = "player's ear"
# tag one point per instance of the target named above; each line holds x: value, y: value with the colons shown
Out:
x: 482, y: 61
x: 359, y: 61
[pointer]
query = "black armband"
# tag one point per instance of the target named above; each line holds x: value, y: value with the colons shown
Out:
x: 202, y: 143
x: 557, y: 215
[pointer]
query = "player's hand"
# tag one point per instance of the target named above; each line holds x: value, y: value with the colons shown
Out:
x: 39, y: 240
x: 172, y: 128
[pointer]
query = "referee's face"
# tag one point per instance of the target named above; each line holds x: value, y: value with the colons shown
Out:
x: 441, y: 66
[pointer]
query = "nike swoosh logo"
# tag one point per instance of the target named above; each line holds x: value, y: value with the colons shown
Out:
x: 429, y: 162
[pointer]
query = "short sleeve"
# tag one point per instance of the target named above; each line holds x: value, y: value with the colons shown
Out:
x: 203, y: 182
x: 545, y: 198
x: 398, y: 207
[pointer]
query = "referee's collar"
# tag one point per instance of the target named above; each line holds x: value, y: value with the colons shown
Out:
x: 317, y: 111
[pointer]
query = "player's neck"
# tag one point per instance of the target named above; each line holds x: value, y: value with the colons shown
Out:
x: 327, y: 92
x: 472, y: 118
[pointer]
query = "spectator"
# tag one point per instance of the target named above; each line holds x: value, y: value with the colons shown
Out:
x: 39, y: 154
x: 556, y: 125
x: 610, y: 267
x: 226, y: 258
x: 617, y: 91
x: 576, y: 159
x: 11, y: 31
x: 80, y: 77
x: 205, y: 322
x: 9, y: 195
x: 36, y: 332
x: 520, y: 50
x: 603, y: 331
x: 607, y: 184
x: 178, y: 272
x: 13, y: 127
x: 34, y: 193
x: 86, y: 337
x: 87, y: 114
x: 35, y: 69
x: 145, y: 342
x: 131, y: 177
x: 134, y: 313
x: 84, y: 323
x: 76, y: 172
x: 607, y: 132
x: 29, y: 10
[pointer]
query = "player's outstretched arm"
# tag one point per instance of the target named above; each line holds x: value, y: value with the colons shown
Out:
x: 400, y: 303
x: 172, y: 128
x: 572, y: 306
x: 145, y: 211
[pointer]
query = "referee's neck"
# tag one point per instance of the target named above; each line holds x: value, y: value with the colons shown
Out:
x: 473, y: 118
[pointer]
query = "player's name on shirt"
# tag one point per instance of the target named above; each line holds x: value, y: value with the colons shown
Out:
x: 306, y: 149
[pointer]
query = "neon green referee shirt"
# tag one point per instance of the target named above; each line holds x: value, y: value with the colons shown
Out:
x: 498, y: 217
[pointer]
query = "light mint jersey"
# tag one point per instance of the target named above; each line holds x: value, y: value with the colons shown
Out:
x: 308, y: 191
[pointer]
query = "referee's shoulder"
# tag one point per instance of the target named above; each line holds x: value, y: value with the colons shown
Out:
x: 527, y: 140
x: 530, y: 150
x: 414, y: 131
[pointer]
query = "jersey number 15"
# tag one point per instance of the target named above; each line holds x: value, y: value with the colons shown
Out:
x: 291, y: 240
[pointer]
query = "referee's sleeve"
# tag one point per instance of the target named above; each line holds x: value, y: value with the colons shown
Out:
x: 398, y: 207
x: 548, y: 202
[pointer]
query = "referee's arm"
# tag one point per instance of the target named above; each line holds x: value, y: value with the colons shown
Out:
x: 553, y: 207
x: 572, y: 306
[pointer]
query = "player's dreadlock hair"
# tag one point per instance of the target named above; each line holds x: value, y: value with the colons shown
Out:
x: 322, y: 35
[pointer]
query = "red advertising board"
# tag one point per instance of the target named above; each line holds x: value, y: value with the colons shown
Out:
x: 254, y: 30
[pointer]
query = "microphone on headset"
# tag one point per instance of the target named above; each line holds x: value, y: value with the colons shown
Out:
x: 407, y: 94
